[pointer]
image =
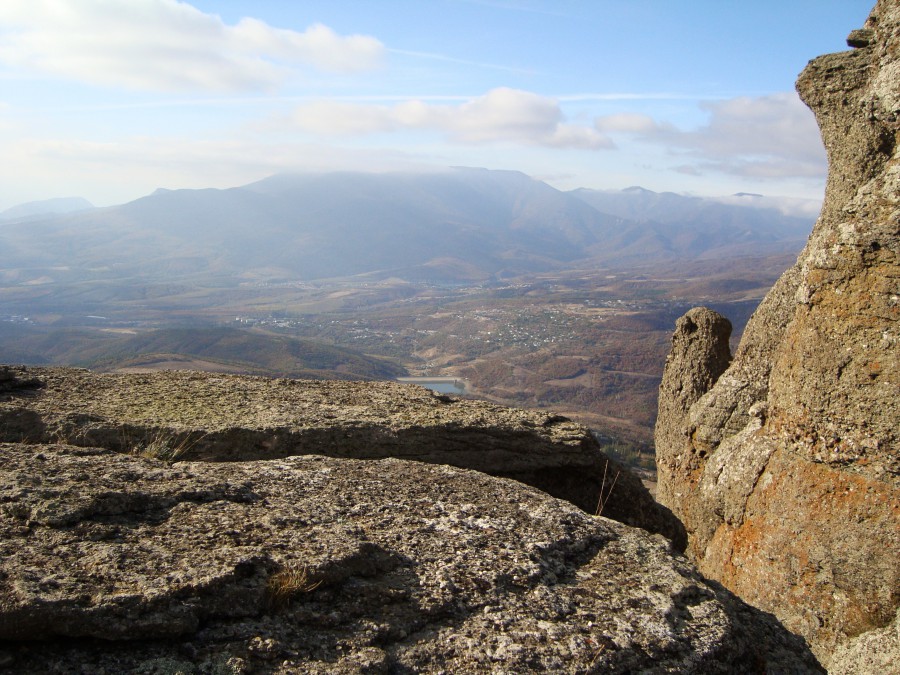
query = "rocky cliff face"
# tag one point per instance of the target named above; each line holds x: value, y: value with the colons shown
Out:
x: 296, y: 562
x: 786, y: 470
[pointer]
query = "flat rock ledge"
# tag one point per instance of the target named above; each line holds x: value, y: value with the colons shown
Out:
x: 211, y: 417
x: 114, y: 563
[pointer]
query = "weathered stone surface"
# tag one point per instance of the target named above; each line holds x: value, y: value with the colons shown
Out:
x: 786, y: 472
x: 115, y: 563
x: 861, y: 37
x: 213, y: 417
x: 877, y: 651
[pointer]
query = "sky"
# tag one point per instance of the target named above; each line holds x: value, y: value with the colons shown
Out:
x: 111, y: 99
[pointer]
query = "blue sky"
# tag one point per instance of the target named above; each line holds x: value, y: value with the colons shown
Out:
x: 110, y: 99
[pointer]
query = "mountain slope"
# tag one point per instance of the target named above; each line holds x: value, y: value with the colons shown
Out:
x: 46, y: 207
x: 219, y: 349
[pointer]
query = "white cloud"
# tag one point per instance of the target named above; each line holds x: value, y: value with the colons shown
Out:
x: 774, y: 135
x: 167, y: 45
x: 501, y: 115
x: 687, y: 170
x: 627, y: 122
x: 337, y: 118
x: 765, y: 137
x: 789, y: 206
x: 504, y: 114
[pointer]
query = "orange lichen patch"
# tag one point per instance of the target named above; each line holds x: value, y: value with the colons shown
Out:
x: 806, y: 528
x: 747, y: 541
x: 814, y: 491
x: 727, y: 550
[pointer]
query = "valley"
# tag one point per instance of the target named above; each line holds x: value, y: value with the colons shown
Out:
x: 535, y: 297
x: 588, y: 344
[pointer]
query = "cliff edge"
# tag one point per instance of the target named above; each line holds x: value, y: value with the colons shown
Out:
x: 220, y: 418
x: 783, y: 462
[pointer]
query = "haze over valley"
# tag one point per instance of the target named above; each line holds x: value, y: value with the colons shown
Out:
x: 535, y: 296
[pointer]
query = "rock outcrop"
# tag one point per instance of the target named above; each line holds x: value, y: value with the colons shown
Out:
x: 786, y: 471
x: 12, y: 380
x: 201, y: 416
x: 113, y: 563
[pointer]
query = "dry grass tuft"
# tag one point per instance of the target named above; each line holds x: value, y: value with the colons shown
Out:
x: 165, y: 446
x: 604, y: 498
x: 289, y: 582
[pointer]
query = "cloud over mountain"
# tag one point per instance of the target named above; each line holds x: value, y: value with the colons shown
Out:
x: 111, y: 98
x: 166, y: 45
x: 501, y: 115
x: 772, y: 136
x: 768, y: 136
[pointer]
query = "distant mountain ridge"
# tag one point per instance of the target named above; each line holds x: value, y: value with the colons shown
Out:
x: 460, y: 225
x: 690, y: 226
x: 46, y: 207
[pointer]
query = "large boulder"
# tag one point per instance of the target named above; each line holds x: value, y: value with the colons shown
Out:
x: 308, y: 564
x: 785, y: 470
x: 212, y: 417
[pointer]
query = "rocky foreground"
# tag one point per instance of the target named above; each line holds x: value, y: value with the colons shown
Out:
x: 113, y: 563
x: 183, y: 522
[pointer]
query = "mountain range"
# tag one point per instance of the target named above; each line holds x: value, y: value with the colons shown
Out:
x: 460, y: 225
x: 670, y: 225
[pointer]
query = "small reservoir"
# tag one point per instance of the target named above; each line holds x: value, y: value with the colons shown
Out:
x: 442, y: 385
